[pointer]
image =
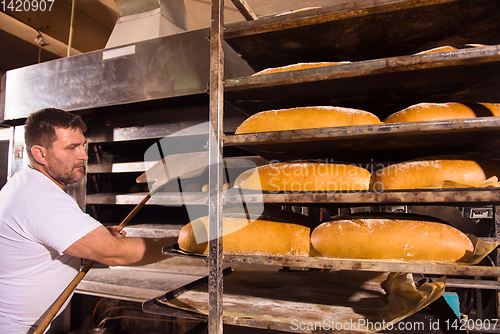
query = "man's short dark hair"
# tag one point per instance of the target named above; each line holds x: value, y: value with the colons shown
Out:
x: 41, y: 127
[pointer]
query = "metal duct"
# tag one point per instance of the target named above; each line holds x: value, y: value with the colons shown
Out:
x: 146, y: 19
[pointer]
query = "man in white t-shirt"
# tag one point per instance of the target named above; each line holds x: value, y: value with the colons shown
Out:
x: 44, y: 233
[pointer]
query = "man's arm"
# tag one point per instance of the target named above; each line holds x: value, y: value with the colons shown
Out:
x: 111, y: 249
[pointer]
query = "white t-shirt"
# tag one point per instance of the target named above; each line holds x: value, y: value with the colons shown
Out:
x: 38, y: 222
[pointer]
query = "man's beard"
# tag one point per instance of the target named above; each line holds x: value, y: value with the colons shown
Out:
x: 64, y: 175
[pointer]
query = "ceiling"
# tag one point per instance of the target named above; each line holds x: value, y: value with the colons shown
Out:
x: 93, y: 23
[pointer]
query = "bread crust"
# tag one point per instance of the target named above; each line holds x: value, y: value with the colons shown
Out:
x: 425, y: 172
x: 438, y: 49
x: 398, y: 239
x: 298, y: 66
x: 450, y: 48
x: 493, y: 107
x: 305, y: 118
x: 247, y: 237
x: 423, y: 112
x: 304, y: 176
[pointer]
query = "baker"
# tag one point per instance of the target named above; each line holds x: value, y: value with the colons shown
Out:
x: 43, y: 231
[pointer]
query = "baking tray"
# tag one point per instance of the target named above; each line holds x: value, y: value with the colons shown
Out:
x: 365, y: 29
x: 157, y: 305
x: 453, y: 197
x: 379, y: 142
x: 278, y: 299
x: 380, y: 85
x: 347, y: 264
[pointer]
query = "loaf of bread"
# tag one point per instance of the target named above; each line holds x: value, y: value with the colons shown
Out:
x: 305, y: 118
x: 422, y: 112
x: 385, y: 237
x: 425, y: 172
x: 494, y: 108
x: 451, y: 48
x: 438, y: 49
x: 295, y: 11
x: 304, y: 176
x: 270, y: 234
x: 299, y: 66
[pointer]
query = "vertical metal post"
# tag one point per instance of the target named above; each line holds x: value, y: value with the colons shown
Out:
x: 496, y: 216
x: 215, y: 203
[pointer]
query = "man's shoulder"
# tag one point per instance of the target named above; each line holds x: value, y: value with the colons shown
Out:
x: 30, y: 183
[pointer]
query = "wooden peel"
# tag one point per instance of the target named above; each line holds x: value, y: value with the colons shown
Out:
x: 168, y: 168
x: 173, y: 166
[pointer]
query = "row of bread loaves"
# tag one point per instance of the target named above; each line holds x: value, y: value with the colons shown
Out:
x: 316, y: 117
x: 438, y: 172
x: 281, y: 233
x: 308, y: 65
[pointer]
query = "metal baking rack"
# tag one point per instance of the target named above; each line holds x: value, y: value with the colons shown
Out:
x: 264, y: 300
x: 159, y: 305
x: 347, y: 264
x: 382, y: 142
x: 454, y: 197
x: 464, y: 75
x: 362, y: 30
x: 247, y: 305
x: 165, y: 198
x: 381, y: 40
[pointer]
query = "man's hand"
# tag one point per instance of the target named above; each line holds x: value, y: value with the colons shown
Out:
x: 117, y: 231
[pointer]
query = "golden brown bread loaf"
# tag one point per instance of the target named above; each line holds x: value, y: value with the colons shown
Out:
x: 426, y: 172
x: 373, y: 237
x: 304, y: 176
x: 270, y: 234
x: 422, y: 112
x: 305, y: 118
x: 295, y: 11
x: 494, y: 108
x: 299, y: 66
x: 438, y: 49
x: 451, y: 48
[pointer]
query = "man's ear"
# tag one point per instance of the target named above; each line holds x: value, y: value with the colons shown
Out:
x: 39, y: 153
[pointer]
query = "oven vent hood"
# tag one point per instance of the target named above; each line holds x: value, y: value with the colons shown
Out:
x: 141, y: 20
x: 137, y: 66
x: 156, y: 69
